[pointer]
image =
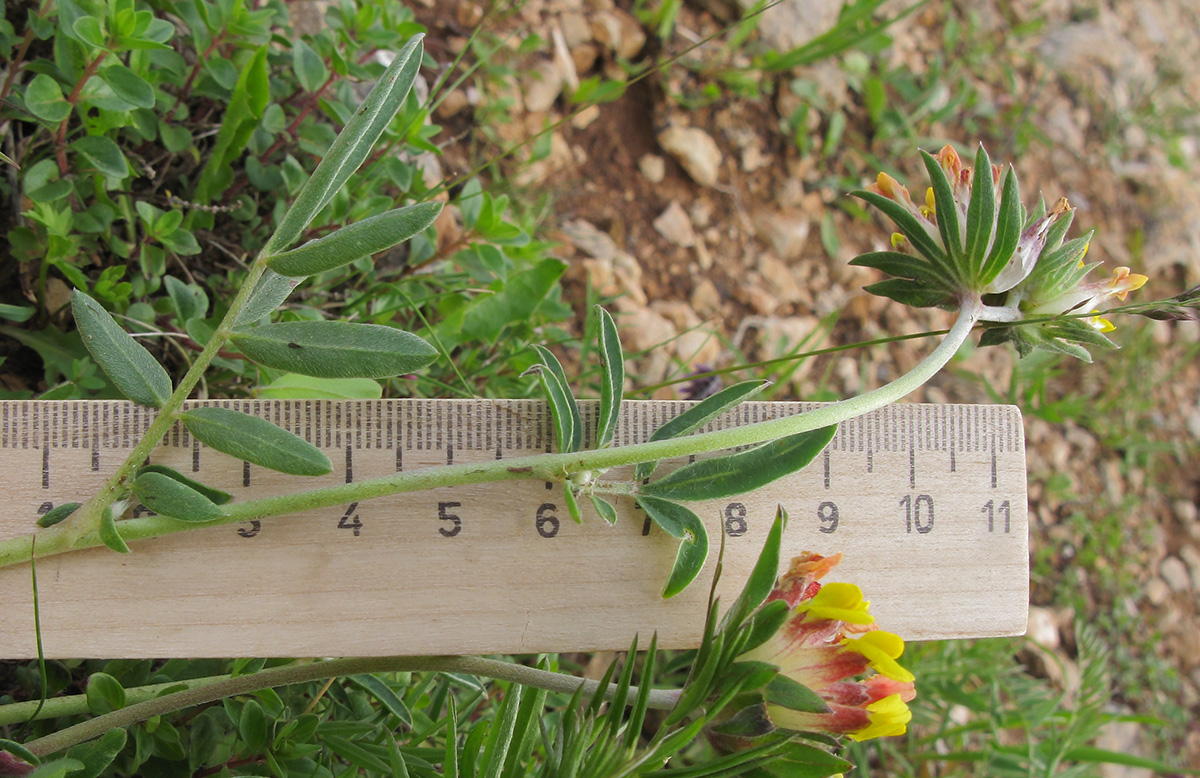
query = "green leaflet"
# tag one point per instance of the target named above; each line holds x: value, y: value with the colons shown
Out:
x: 700, y: 414
x: 1008, y: 229
x: 785, y: 692
x: 612, y: 380
x: 293, y: 386
x: 132, y: 369
x: 213, y: 495
x: 250, y: 96
x: 164, y: 495
x: 361, y: 239
x: 108, y: 533
x: 568, y: 423
x: 946, y: 213
x: 740, y: 473
x: 335, y: 349
x: 103, y: 154
x: 762, y: 577
x: 351, y: 146
x: 679, y: 522
x: 270, y: 291
x: 104, y: 694
x: 96, y: 755
x: 255, y: 440
x: 128, y: 86
x: 981, y: 212
x: 572, y: 503
x: 44, y: 99
x: 605, y: 509
x: 57, y: 514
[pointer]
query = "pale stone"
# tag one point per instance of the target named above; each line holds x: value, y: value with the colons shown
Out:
x: 762, y: 301
x: 705, y: 299
x: 696, y: 151
x: 632, y: 36
x: 1157, y: 592
x: 787, y: 231
x: 674, y: 225
x: 452, y: 104
x: 643, y: 329
x: 585, y: 117
x: 1175, y: 573
x: 779, y: 279
x: 575, y: 29
x: 542, y: 86
x: 1042, y: 627
x: 653, y: 167
x: 698, y: 347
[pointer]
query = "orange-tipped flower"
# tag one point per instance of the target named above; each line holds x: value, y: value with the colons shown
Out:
x: 971, y: 242
x: 829, y: 641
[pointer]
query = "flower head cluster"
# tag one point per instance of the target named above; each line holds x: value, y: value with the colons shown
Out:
x: 827, y: 642
x: 963, y: 243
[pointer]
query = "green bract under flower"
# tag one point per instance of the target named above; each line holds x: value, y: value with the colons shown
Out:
x: 968, y: 245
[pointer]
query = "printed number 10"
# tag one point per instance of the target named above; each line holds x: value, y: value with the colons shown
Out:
x: 914, y: 516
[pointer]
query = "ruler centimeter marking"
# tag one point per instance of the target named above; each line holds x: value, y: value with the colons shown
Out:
x: 927, y: 502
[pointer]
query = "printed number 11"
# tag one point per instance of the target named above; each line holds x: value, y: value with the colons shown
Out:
x: 991, y: 509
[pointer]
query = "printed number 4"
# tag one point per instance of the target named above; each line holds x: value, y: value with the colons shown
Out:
x: 350, y: 520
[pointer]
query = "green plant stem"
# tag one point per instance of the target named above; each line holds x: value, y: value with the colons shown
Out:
x: 211, y: 689
x: 540, y: 467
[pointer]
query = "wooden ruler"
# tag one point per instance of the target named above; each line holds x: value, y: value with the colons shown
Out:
x: 926, y: 502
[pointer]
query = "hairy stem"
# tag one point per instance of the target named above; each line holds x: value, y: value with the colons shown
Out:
x: 211, y: 689
x: 541, y: 467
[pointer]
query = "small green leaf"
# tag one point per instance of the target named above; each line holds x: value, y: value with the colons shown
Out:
x: 164, y: 495
x: 87, y: 29
x: 310, y: 68
x: 572, y: 503
x: 385, y: 695
x: 18, y: 750
x: 44, y: 99
x: 361, y: 239
x: 700, y: 414
x: 189, y: 299
x: 605, y: 509
x: 255, y: 440
x: 1095, y: 755
x: 17, y: 313
x: 108, y: 533
x: 793, y: 695
x: 104, y: 694
x: 765, y: 622
x: 57, y: 514
x: 679, y: 522
x: 672, y: 518
x: 917, y: 230
x: 566, y: 402
x: 128, y: 86
x: 293, y: 386
x: 335, y: 349
x: 612, y: 381
x: 560, y: 412
x: 351, y: 146
x: 269, y: 293
x: 762, y: 578
x: 749, y: 722
x: 214, y: 495
x: 98, y: 754
x: 253, y: 726
x: 945, y: 211
x: 103, y: 155
x: 1008, y: 229
x: 740, y: 473
x: 981, y: 213
x: 132, y: 369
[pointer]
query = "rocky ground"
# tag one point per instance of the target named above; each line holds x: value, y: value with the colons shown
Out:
x: 720, y: 220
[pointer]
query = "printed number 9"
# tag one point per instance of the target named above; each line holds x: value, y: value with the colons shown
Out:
x: 827, y: 513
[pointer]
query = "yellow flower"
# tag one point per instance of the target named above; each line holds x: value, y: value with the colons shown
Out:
x: 828, y: 643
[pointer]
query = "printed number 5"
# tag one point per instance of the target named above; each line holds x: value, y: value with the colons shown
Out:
x: 456, y: 523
